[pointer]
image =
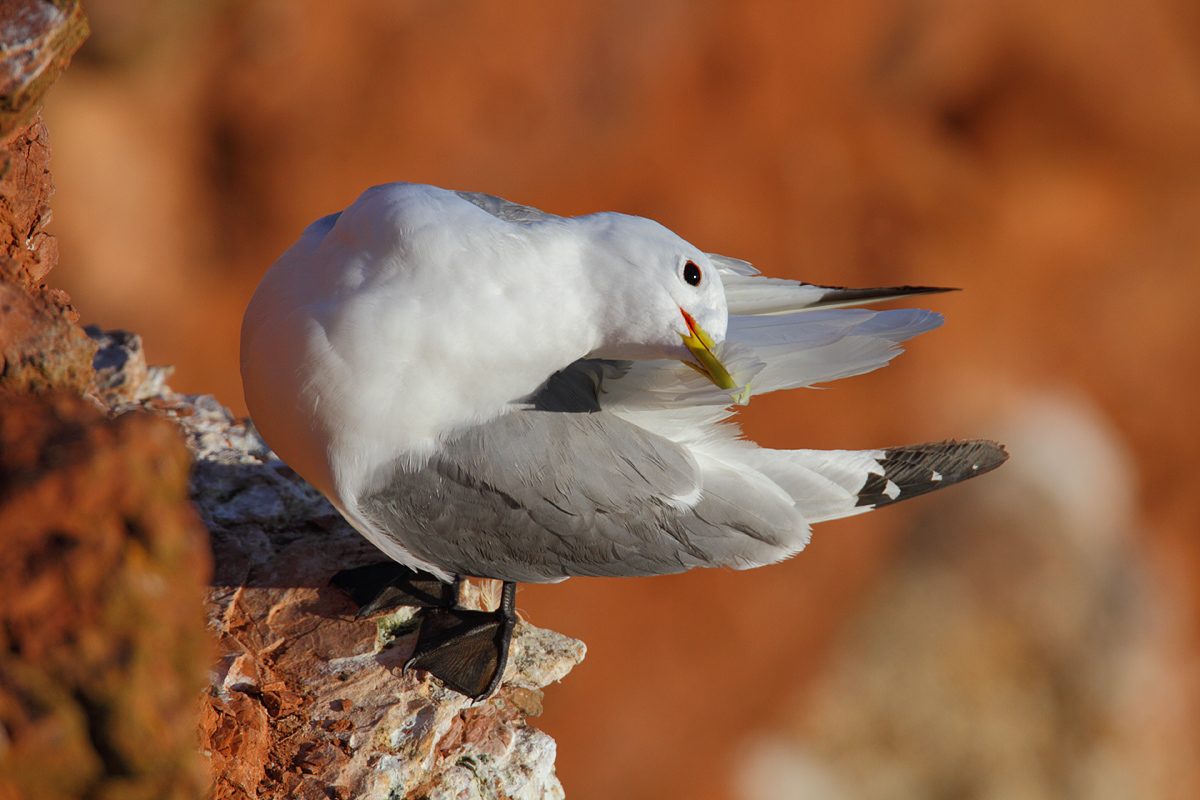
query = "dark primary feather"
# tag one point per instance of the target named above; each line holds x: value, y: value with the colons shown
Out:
x: 913, y: 468
x: 842, y: 296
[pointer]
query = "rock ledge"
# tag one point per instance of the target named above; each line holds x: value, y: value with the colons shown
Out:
x: 304, y: 700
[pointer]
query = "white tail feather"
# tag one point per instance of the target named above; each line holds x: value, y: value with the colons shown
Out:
x: 823, y: 484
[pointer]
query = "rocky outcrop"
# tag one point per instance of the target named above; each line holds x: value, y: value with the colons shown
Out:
x: 41, y: 346
x: 37, y: 40
x: 307, y: 701
x: 102, y: 642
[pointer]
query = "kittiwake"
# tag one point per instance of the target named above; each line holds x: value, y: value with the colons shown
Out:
x: 485, y: 389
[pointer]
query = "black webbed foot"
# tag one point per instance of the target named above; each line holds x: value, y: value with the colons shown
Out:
x: 467, y: 650
x: 389, y: 585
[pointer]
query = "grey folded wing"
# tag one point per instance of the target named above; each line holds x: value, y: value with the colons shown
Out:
x: 558, y: 488
x: 506, y: 209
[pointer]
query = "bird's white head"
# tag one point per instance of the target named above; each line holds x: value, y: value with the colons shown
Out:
x: 663, y: 297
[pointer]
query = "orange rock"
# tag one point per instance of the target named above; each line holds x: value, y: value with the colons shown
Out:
x: 102, y: 644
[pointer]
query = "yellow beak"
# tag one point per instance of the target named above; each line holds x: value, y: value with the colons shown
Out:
x: 701, y: 345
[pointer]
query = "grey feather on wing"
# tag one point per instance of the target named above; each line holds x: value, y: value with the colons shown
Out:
x: 525, y: 497
x: 506, y: 209
x: 557, y: 488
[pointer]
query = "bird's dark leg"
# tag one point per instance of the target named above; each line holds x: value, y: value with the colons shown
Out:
x: 467, y: 650
x: 389, y: 585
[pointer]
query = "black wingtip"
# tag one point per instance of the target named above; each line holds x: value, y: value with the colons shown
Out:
x: 843, y: 296
x: 919, y: 468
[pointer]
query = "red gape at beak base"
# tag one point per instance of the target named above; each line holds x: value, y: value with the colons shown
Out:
x: 701, y: 346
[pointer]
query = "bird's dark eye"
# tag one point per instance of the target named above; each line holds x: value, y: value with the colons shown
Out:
x: 691, y: 274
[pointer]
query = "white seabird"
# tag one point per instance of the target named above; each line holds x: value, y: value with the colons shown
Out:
x: 484, y: 389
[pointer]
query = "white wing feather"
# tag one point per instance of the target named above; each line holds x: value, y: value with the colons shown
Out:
x: 771, y: 350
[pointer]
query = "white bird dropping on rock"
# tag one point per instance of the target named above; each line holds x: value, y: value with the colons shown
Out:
x: 484, y: 389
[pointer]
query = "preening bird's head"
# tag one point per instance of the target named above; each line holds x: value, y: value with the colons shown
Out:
x: 663, y: 297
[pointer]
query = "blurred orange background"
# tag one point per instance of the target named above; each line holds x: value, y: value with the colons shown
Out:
x: 1045, y: 157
